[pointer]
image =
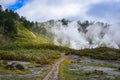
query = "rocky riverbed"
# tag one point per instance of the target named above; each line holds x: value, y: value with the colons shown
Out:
x: 31, y: 75
x: 93, y: 69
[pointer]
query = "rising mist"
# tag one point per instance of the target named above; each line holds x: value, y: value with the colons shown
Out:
x: 76, y: 36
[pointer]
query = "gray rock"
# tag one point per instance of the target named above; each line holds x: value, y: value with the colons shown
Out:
x: 16, y: 65
x: 20, y: 67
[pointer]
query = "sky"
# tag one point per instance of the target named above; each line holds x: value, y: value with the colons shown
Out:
x: 43, y: 10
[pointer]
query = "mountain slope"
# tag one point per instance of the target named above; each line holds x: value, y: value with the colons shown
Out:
x: 28, y: 36
x: 22, y: 37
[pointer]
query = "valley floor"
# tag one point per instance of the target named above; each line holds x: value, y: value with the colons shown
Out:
x: 72, y: 67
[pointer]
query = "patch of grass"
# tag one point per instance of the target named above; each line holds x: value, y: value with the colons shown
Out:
x: 95, y: 64
x: 73, y: 75
x: 32, y: 55
x: 30, y: 45
x: 62, y: 70
x: 103, y: 53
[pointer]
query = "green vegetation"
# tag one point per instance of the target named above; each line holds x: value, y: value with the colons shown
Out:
x: 7, y: 21
x: 74, y: 75
x: 64, y: 21
x: 18, y: 42
x: 32, y: 55
x: 15, y: 31
x: 62, y: 69
x: 95, y: 64
x: 24, y: 38
x: 103, y: 53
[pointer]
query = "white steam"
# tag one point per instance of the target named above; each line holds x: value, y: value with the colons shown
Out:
x: 96, y: 35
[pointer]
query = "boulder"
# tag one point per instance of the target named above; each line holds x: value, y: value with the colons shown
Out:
x: 15, y: 65
x: 20, y: 67
x: 9, y: 67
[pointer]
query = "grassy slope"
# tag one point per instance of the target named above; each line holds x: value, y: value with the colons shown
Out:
x: 32, y: 55
x: 24, y: 37
x: 27, y: 46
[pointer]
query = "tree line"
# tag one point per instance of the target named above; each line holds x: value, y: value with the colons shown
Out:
x: 8, y: 19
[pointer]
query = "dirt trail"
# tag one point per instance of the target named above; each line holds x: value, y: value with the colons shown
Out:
x: 54, y: 73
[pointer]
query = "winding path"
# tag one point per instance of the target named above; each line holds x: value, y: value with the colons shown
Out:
x: 54, y: 73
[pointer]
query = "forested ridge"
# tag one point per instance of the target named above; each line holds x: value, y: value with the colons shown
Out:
x: 8, y: 19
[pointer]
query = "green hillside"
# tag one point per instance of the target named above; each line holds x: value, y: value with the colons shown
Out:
x: 23, y: 37
x: 19, y: 42
x: 16, y: 31
x: 28, y: 36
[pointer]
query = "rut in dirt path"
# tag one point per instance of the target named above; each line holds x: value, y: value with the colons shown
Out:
x: 54, y: 73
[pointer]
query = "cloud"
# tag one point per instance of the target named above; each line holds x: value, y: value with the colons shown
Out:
x: 41, y: 10
x: 7, y: 2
